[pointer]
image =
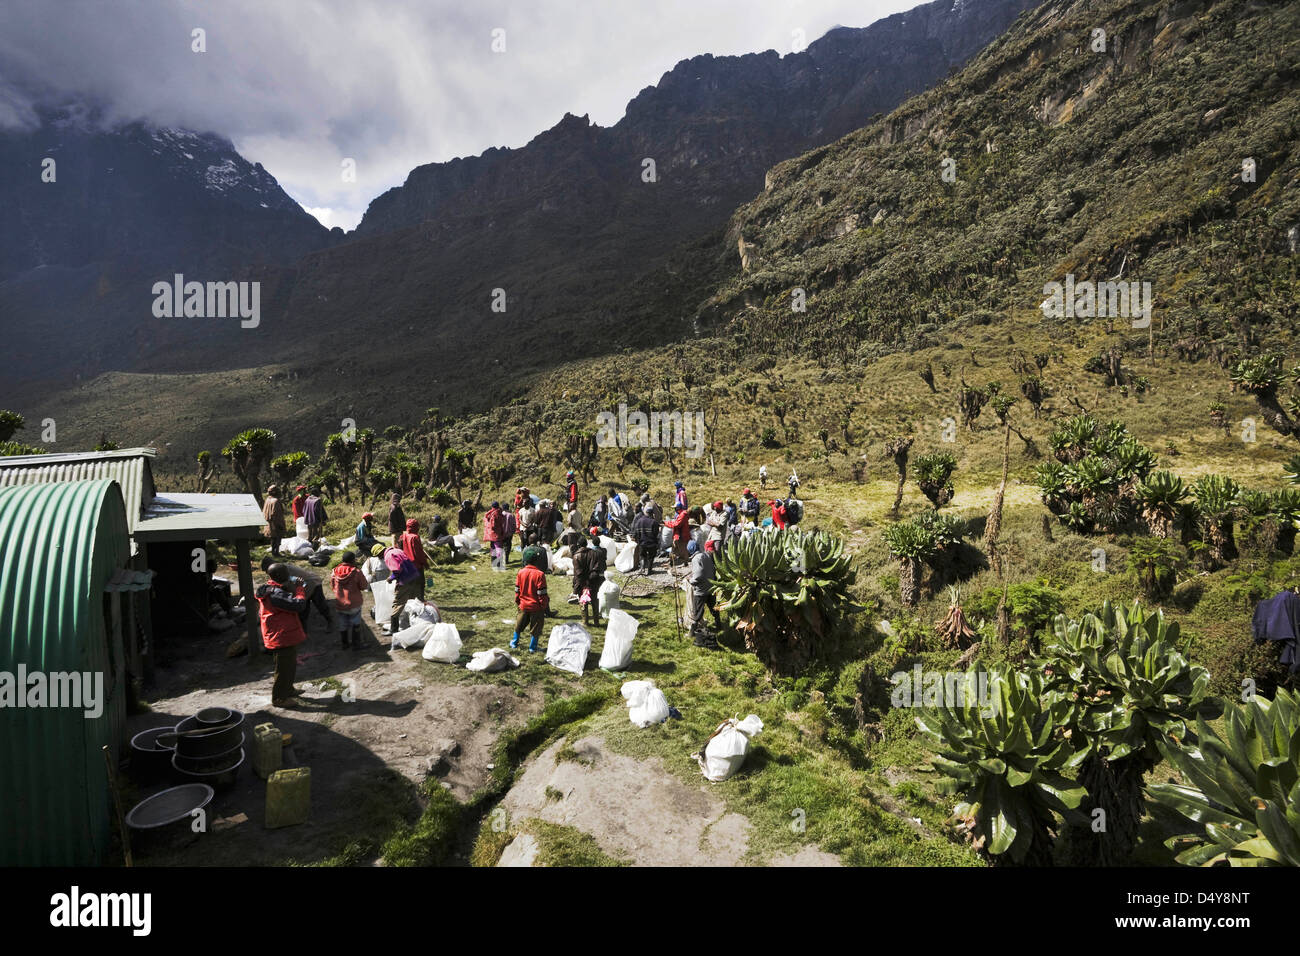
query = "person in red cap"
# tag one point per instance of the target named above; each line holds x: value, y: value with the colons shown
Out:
x: 681, y: 525
x: 778, y: 513
x: 299, y: 502
x: 414, y: 549
x: 750, y: 506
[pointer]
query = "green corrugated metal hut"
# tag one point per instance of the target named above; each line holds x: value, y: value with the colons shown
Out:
x: 63, y: 543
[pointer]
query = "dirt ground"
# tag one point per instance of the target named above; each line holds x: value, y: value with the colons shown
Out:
x: 368, y: 747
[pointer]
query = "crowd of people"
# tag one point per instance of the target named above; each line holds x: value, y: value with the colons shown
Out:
x: 689, y: 536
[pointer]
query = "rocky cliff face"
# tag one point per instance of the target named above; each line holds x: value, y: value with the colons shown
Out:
x: 140, y: 193
x: 590, y: 255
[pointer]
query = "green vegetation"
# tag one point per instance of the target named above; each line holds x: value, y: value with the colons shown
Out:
x: 786, y: 593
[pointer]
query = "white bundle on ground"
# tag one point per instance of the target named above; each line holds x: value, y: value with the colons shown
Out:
x: 302, y: 548
x: 348, y: 542
x: 611, y: 548
x: 646, y: 703
x: 413, y: 636
x: 467, y: 540
x: 726, y: 749
x: 563, y: 552
x: 443, y: 644
x: 607, y: 597
x: 494, y: 660
x: 383, y: 594
x: 562, y: 566
x: 619, y: 632
x: 626, y: 559
x: 568, y: 647
x: 418, y: 610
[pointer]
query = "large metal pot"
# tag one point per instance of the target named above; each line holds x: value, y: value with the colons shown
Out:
x: 149, y: 755
x: 193, y: 740
x: 216, y: 771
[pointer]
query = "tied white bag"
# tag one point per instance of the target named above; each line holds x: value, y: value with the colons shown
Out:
x: 611, y: 548
x: 383, y: 592
x: 443, y: 644
x: 646, y: 703
x: 626, y: 559
x: 568, y: 647
x: 412, y: 636
x: 619, y: 632
x: 418, y: 610
x: 300, y: 528
x: 607, y: 598
x: 726, y: 749
x: 494, y: 660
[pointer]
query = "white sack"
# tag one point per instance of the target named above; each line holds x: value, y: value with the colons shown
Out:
x: 726, y: 749
x: 568, y: 647
x: 619, y: 632
x: 494, y: 660
x: 443, y: 644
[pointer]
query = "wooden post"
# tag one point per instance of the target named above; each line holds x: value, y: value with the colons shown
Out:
x: 251, y: 626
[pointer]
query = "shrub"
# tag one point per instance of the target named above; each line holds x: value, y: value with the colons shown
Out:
x: 786, y: 592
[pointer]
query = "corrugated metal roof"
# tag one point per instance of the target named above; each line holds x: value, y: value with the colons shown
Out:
x: 177, y: 516
x: 62, y: 544
x: 131, y: 468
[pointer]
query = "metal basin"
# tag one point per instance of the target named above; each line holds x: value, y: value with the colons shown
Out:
x: 169, y: 806
x: 216, y: 771
x: 215, y: 716
x: 149, y: 755
x: 208, y: 741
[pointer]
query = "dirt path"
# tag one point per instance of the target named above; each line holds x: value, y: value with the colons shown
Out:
x: 368, y: 746
x: 635, y: 809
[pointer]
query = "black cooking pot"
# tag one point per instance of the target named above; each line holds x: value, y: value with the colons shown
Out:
x: 193, y: 740
x: 215, y: 716
x: 149, y: 756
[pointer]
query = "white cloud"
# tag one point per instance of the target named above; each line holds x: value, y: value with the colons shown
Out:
x: 300, y: 85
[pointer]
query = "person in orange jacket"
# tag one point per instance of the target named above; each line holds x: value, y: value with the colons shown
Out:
x: 778, y: 514
x: 531, y: 599
x: 280, y: 602
x: 681, y: 525
x: 414, y: 548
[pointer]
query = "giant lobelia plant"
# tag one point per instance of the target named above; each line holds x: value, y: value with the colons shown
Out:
x: 1242, y: 797
x: 785, y: 592
x: 1002, y: 750
x: 1118, y: 681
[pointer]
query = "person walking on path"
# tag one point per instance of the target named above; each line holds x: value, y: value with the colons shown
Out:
x: 645, y: 530
x: 314, y: 514
x: 281, y: 602
x: 701, y: 582
x: 396, y: 518
x: 494, y: 529
x: 413, y: 547
x: 403, y: 573
x: 273, y: 512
